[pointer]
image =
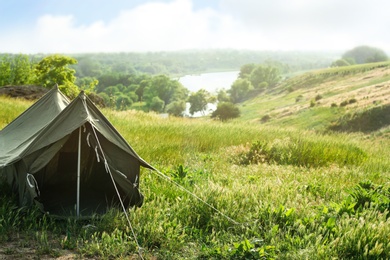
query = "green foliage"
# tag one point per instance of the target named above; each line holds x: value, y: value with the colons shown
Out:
x: 318, y: 97
x: 365, y: 54
x: 298, y: 98
x: 54, y: 69
x: 340, y: 63
x: 176, y: 108
x: 367, y: 194
x: 157, y: 104
x: 253, y: 79
x: 265, y: 118
x: 240, y: 90
x: 16, y: 70
x: 164, y: 89
x: 246, y: 70
x: 264, y: 77
x: 256, y: 250
x: 123, y: 102
x: 198, y: 101
x: 226, y: 111
x: 222, y: 96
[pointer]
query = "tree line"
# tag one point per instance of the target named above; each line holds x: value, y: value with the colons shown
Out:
x: 134, y: 90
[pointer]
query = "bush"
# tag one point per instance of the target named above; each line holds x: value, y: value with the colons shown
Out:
x: 298, y: 98
x: 265, y: 118
x: 352, y: 100
x: 318, y: 97
x: 225, y: 111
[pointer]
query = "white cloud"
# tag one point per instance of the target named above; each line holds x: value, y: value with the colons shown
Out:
x: 244, y: 24
x: 149, y: 27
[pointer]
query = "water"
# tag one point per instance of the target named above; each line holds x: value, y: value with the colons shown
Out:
x: 209, y: 81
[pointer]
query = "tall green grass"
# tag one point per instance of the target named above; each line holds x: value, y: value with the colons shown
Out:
x: 291, y: 193
x: 10, y: 109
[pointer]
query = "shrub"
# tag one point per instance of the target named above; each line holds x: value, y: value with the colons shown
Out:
x: 225, y: 111
x: 352, y: 100
x: 318, y: 97
x: 298, y: 98
x: 344, y: 103
x: 265, y: 118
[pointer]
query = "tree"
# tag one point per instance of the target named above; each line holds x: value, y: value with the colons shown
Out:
x: 225, y: 111
x: 246, y: 70
x: 140, y: 90
x: 5, y: 71
x: 198, y: 101
x: 54, y: 69
x: 21, y: 70
x: 240, y: 90
x: 176, y: 108
x: 340, y: 63
x: 157, y: 104
x: 268, y: 74
x: 222, y: 96
x: 16, y: 70
x: 365, y: 54
x: 88, y: 84
x: 123, y: 102
x: 165, y: 89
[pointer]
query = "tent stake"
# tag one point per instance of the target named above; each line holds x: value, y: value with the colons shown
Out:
x: 78, y: 174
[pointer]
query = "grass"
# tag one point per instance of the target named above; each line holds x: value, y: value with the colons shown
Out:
x: 293, y: 193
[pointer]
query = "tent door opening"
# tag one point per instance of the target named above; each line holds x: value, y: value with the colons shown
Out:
x: 58, y: 181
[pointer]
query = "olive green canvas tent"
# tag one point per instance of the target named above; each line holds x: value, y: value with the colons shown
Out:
x: 68, y: 158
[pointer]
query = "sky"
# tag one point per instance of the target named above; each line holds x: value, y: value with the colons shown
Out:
x: 80, y: 26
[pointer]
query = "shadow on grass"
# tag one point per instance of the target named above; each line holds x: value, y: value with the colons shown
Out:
x: 366, y: 122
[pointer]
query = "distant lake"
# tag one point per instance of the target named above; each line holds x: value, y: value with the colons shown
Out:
x: 209, y: 81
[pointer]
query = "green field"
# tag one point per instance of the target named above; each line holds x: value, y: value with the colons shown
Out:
x: 285, y: 189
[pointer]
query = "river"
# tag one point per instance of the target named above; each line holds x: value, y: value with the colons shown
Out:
x: 209, y: 81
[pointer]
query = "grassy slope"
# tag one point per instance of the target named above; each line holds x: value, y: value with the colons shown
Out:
x: 290, y: 103
x: 289, y: 196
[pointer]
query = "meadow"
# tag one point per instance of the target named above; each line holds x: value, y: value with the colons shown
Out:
x: 235, y: 190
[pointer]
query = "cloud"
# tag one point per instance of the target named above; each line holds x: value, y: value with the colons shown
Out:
x: 148, y: 27
x: 244, y: 24
x: 307, y: 24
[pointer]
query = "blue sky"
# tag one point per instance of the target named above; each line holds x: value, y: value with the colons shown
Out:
x: 70, y: 26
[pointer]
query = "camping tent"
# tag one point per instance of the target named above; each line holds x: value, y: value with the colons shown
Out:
x: 68, y: 158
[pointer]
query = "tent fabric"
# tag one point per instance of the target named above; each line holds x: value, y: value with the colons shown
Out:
x: 42, y: 145
x: 18, y: 135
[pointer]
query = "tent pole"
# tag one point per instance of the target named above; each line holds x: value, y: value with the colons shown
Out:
x: 78, y: 174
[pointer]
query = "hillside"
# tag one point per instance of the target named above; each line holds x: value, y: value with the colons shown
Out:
x: 335, y: 98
